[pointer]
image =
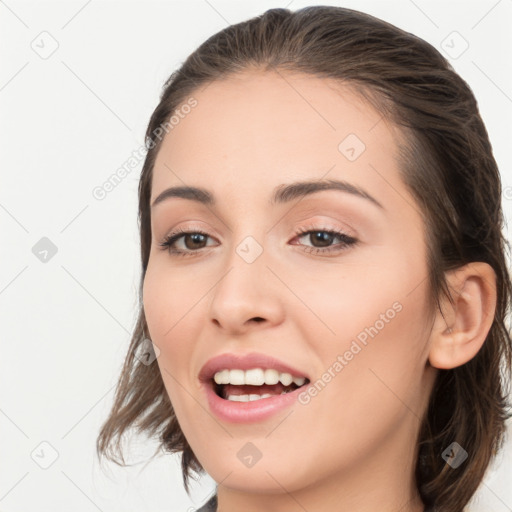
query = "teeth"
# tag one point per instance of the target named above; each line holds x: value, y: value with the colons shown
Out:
x: 299, y: 380
x: 237, y: 377
x: 271, y: 376
x: 250, y: 398
x: 256, y: 377
x: 222, y: 377
x: 286, y: 379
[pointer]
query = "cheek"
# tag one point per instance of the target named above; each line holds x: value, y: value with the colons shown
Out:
x: 335, y: 309
x: 171, y: 308
x: 379, y: 374
x: 375, y: 321
x: 168, y: 302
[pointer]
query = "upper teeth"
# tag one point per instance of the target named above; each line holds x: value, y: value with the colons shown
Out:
x: 256, y: 377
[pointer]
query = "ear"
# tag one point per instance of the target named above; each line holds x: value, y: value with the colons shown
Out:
x: 457, y: 338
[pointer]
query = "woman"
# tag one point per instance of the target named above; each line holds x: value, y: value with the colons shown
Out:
x: 323, y: 272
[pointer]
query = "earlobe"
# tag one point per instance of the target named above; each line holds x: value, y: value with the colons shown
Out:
x: 459, y: 333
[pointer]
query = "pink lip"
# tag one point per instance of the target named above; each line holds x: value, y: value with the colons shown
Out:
x: 245, y: 362
x: 246, y: 412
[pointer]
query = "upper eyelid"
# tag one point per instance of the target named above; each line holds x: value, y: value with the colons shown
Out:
x: 301, y: 230
x: 301, y: 223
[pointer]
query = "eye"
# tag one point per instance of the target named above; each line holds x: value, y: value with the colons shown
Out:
x: 191, y: 240
x: 322, y: 240
x: 185, y: 243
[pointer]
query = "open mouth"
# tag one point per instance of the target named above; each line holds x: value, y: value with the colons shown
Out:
x: 249, y: 392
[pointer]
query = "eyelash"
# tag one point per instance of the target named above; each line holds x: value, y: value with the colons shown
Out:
x: 346, y: 241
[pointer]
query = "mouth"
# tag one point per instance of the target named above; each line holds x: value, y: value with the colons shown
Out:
x: 254, y: 384
x: 251, y: 387
x: 250, y: 377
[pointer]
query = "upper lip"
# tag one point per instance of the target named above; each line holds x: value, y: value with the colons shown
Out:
x: 245, y: 362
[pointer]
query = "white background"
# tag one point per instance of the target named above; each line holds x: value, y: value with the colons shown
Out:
x: 67, y: 123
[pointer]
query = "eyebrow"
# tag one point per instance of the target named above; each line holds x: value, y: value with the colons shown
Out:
x: 282, y: 193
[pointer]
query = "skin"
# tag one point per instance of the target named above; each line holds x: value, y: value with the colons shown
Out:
x: 352, y: 447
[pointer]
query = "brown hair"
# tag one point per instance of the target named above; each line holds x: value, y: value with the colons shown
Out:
x: 448, y: 165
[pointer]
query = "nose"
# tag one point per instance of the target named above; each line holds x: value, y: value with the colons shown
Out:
x: 247, y: 296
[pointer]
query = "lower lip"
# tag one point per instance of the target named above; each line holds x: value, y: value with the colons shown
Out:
x: 249, y: 412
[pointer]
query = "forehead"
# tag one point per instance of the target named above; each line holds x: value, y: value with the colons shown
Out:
x: 269, y: 127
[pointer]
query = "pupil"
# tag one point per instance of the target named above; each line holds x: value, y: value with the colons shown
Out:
x: 324, y: 238
x: 196, y: 237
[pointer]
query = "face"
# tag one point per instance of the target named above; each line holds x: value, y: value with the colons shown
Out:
x: 331, y: 283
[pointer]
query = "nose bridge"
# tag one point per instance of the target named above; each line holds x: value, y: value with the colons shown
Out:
x: 248, y: 245
x: 246, y: 266
x: 250, y: 250
x: 245, y: 290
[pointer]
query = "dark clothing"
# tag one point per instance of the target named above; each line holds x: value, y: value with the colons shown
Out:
x: 211, y: 506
